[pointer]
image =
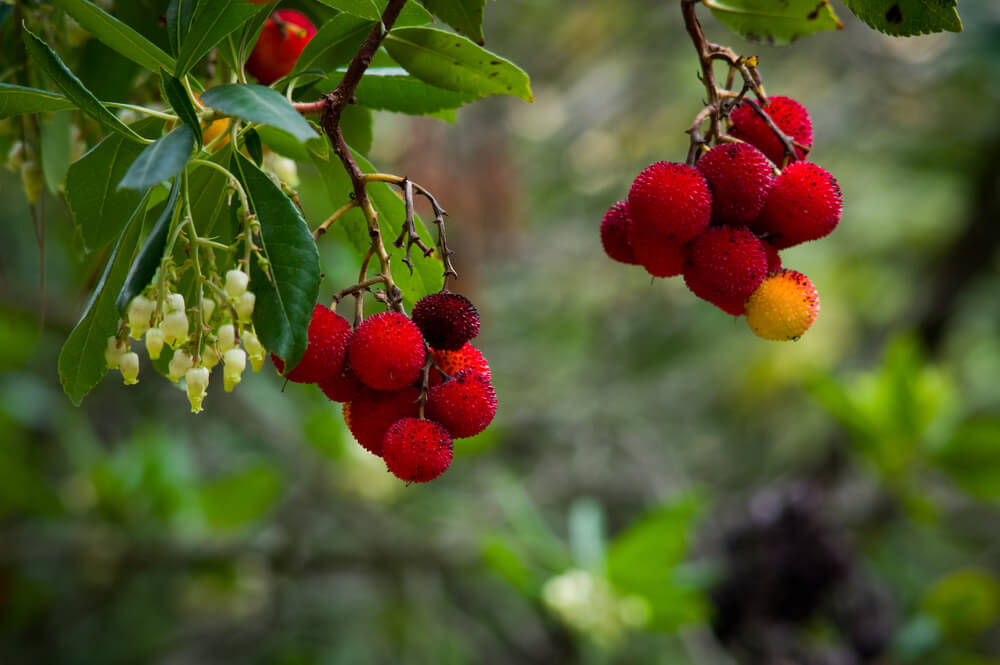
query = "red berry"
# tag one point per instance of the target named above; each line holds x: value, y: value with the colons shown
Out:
x: 773, y: 258
x: 447, y: 320
x: 387, y: 351
x: 739, y: 176
x: 284, y: 36
x: 615, y: 229
x: 465, y: 404
x: 790, y: 117
x: 453, y: 362
x: 804, y: 204
x: 324, y: 356
x: 671, y: 199
x: 343, y: 386
x: 658, y: 254
x: 373, y: 412
x: 417, y: 450
x: 724, y: 265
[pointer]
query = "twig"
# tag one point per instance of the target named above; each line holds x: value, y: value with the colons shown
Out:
x: 408, y: 233
x: 360, y: 286
x: 325, y: 226
x: 786, y: 141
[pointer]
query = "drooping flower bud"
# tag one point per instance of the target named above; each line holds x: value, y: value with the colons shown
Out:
x: 227, y: 337
x: 129, y: 366
x: 139, y: 312
x: 210, y: 357
x: 207, y: 309
x: 113, y: 352
x: 196, y: 382
x: 175, y: 302
x: 255, y: 350
x: 236, y: 362
x: 179, y: 365
x: 236, y: 283
x: 244, y: 306
x: 175, y: 328
x: 154, y: 342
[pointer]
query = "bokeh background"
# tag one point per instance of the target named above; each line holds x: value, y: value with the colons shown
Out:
x: 659, y: 486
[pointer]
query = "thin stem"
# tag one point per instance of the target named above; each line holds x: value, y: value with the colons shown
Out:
x: 142, y: 109
x: 359, y: 296
x: 705, y: 58
x: 340, y: 212
x: 205, y: 242
x: 360, y: 286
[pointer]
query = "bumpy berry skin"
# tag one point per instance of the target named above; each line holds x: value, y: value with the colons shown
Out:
x: 325, y: 352
x: 373, y: 412
x: 773, y: 258
x: 387, y: 351
x: 417, y: 450
x: 804, y: 204
x: 658, y: 254
x: 724, y: 265
x: 279, y: 46
x: 465, y: 404
x: 616, y: 227
x: 790, y: 117
x: 453, y: 362
x: 343, y: 386
x: 447, y: 320
x: 740, y: 177
x: 670, y: 199
x: 783, y: 307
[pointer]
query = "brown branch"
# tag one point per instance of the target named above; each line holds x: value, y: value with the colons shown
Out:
x: 705, y: 58
x: 408, y: 234
x: 360, y: 286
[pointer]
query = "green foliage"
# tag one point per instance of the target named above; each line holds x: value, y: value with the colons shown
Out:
x: 286, y: 291
x: 905, y: 18
x: 81, y: 360
x: 366, y: 9
x: 147, y: 261
x: 455, y: 63
x: 179, y: 13
x: 17, y: 99
x: 776, y: 23
x: 333, y: 45
x: 179, y: 100
x: 258, y: 103
x: 56, y: 145
x: 161, y: 160
x: 964, y: 603
x: 117, y: 35
x: 392, y: 89
x: 210, y: 24
x: 466, y: 16
x: 239, y: 498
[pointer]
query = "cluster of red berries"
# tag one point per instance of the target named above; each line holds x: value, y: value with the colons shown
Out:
x: 721, y: 223
x: 409, y: 385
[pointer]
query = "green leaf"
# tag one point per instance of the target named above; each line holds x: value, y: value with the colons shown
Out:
x: 285, y: 144
x: 240, y: 498
x: 99, y: 208
x: 392, y: 89
x: 254, y: 147
x: 452, y: 62
x: 147, y: 261
x: 116, y: 34
x: 258, y: 103
x: 972, y: 457
x: 352, y: 228
x: 366, y: 9
x: 211, y: 22
x: 285, y: 301
x: 356, y: 125
x: 466, y: 16
x: 180, y: 102
x: 56, y: 70
x: 56, y: 140
x: 179, y: 14
x: 775, y: 22
x: 16, y: 99
x: 964, y: 602
x: 644, y: 559
x: 906, y: 18
x: 334, y: 44
x: 81, y: 360
x: 161, y: 160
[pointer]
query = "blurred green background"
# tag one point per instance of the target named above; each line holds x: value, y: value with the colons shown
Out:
x: 659, y: 486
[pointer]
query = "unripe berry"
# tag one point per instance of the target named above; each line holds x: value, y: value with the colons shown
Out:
x: 280, y: 44
x: 465, y: 404
x: 236, y: 283
x: 235, y: 362
x: 447, y: 320
x: 387, y: 351
x: 140, y: 311
x: 113, y: 351
x: 255, y: 350
x: 453, y: 362
x: 671, y: 199
x: 180, y: 363
x: 790, y: 117
x: 325, y: 350
x: 783, y: 307
x: 227, y: 337
x: 154, y: 342
x: 175, y: 328
x: 615, y: 234
x: 373, y: 412
x: 724, y: 265
x: 244, y: 306
x: 804, y: 204
x: 128, y: 364
x: 417, y: 450
x: 658, y: 254
x: 740, y: 177
x: 196, y: 383
x: 344, y: 386
x: 175, y: 302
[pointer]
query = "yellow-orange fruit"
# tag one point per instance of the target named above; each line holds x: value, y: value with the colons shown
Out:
x: 783, y: 307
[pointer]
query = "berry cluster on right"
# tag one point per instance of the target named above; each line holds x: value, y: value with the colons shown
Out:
x: 722, y: 222
x: 409, y: 385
